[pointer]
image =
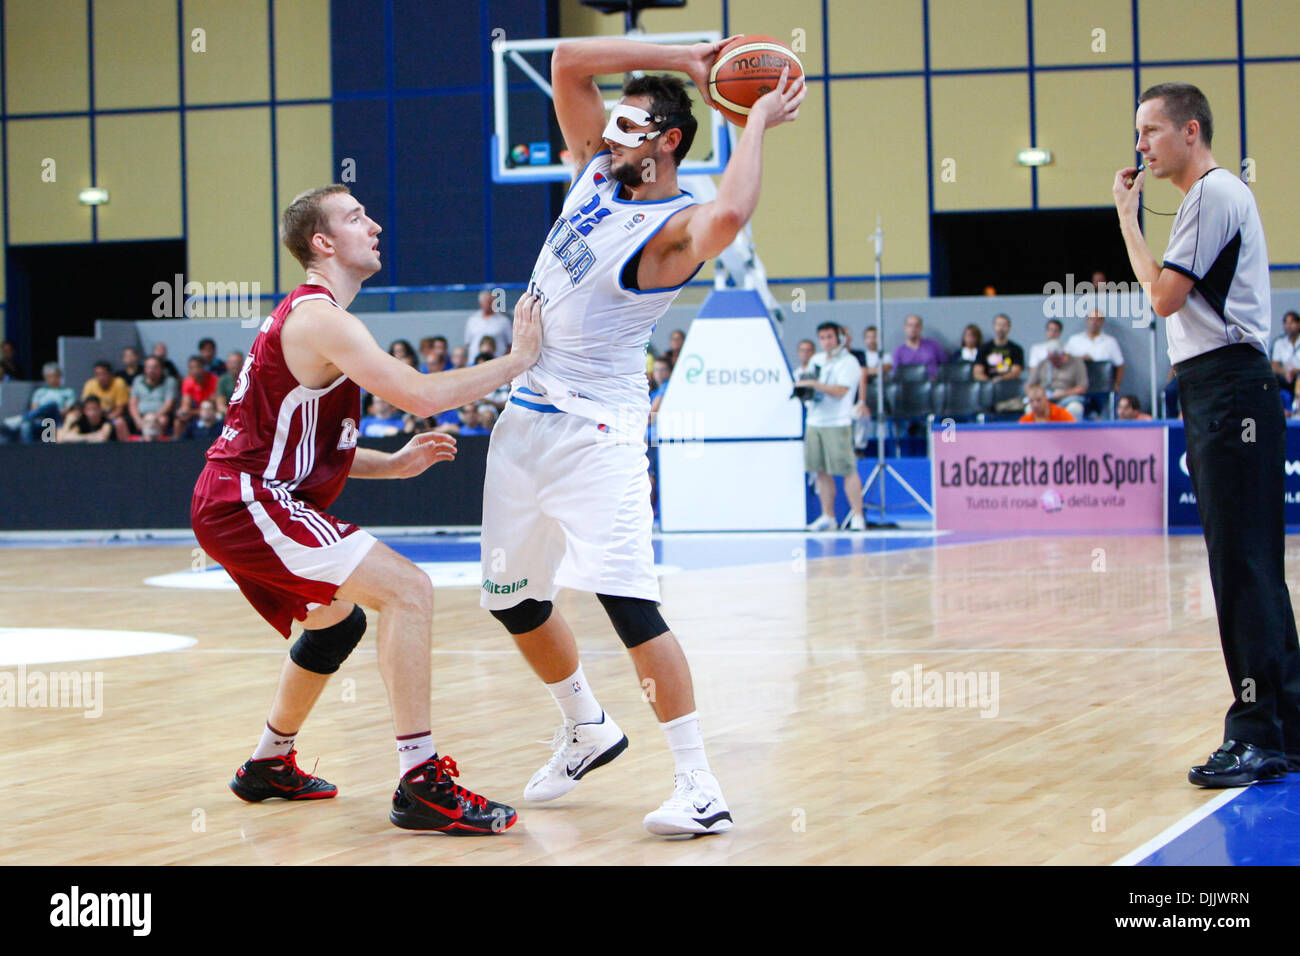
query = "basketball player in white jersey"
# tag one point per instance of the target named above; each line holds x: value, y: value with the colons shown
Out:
x: 567, y: 496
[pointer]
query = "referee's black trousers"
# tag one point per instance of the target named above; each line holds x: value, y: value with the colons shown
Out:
x: 1236, y: 451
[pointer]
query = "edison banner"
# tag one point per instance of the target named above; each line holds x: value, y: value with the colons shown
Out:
x: 1080, y: 477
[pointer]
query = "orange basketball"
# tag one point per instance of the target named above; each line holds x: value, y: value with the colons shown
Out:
x: 745, y: 69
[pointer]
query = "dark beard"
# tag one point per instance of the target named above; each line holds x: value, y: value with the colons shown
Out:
x: 627, y: 174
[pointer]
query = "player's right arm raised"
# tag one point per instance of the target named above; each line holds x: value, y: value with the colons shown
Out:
x: 341, y: 340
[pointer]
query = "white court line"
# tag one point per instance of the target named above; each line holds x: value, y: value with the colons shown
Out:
x: 1179, y: 828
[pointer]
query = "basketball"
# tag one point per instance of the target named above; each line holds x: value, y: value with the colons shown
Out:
x: 745, y: 69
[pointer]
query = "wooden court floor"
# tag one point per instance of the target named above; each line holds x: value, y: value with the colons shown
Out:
x: 1098, y: 657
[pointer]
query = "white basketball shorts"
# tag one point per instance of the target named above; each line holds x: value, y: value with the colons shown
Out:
x: 564, y: 505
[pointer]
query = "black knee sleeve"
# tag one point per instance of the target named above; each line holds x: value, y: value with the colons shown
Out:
x: 527, y: 615
x: 322, y: 651
x: 635, y: 620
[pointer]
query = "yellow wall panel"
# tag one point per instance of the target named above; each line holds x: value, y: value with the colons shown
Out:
x: 1084, y: 156
x: 980, y: 123
x: 234, y: 66
x: 47, y: 56
x: 875, y: 36
x: 136, y: 60
x: 792, y: 22
x: 138, y: 160
x: 964, y: 35
x: 790, y: 223
x: 228, y: 185
x: 304, y: 154
x: 41, y: 211
x: 1270, y: 93
x: 1271, y: 27
x: 876, y: 169
x: 1187, y: 29
x: 579, y: 21
x: 302, y: 49
x: 697, y: 15
x: 1219, y: 84
x: 1065, y: 31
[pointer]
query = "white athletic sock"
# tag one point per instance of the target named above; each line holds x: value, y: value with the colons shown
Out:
x: 274, y: 744
x: 575, y: 699
x: 414, y: 749
x: 686, y: 742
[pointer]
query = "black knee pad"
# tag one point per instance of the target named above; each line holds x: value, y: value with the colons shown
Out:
x: 322, y: 651
x: 635, y: 620
x: 527, y: 615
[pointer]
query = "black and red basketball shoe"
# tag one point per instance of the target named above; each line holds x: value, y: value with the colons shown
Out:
x: 426, y: 799
x: 257, y: 780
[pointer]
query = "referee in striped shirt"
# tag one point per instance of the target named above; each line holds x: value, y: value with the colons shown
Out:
x: 1214, y: 288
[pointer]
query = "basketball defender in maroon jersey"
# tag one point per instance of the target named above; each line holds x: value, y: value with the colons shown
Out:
x: 260, y: 509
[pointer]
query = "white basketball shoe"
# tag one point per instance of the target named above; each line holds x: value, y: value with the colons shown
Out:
x: 579, y: 749
x: 696, y: 806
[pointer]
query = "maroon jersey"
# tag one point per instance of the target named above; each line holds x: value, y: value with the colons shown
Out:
x: 296, y: 439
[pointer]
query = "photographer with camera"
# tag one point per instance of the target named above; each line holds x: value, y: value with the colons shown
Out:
x: 827, y: 383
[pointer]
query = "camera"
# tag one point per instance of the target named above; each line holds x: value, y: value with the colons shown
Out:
x: 807, y: 394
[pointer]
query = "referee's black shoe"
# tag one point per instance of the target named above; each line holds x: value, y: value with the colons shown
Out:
x: 1238, y: 764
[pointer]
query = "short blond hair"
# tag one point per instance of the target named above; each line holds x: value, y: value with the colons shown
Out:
x: 304, y: 218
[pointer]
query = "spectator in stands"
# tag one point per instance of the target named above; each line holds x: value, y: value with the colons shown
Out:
x: 867, y: 382
x: 804, y: 352
x: 160, y: 353
x: 153, y: 393
x: 86, y: 423
x: 48, y: 404
x: 382, y: 421
x: 487, y: 417
x: 9, y: 362
x: 226, y: 384
x: 1065, y: 379
x: 1129, y: 408
x: 999, y: 359
x: 131, y: 368
x: 471, y: 422
x: 676, y: 339
x: 113, y: 396
x: 1039, y: 351
x: 199, y: 386
x: 663, y: 371
x: 916, y: 350
x: 1042, y: 410
x: 871, y: 341
x: 401, y: 349
x: 1096, y: 346
x: 1098, y: 278
x: 1286, y: 363
x: 459, y: 357
x: 828, y: 432
x: 971, y: 340
x: 487, y: 349
x: 205, y: 425
x: 433, y: 351
x: 153, y: 426
x: 208, y: 353
x: 487, y: 321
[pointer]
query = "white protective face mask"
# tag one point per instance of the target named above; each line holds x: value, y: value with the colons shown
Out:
x: 638, y: 116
